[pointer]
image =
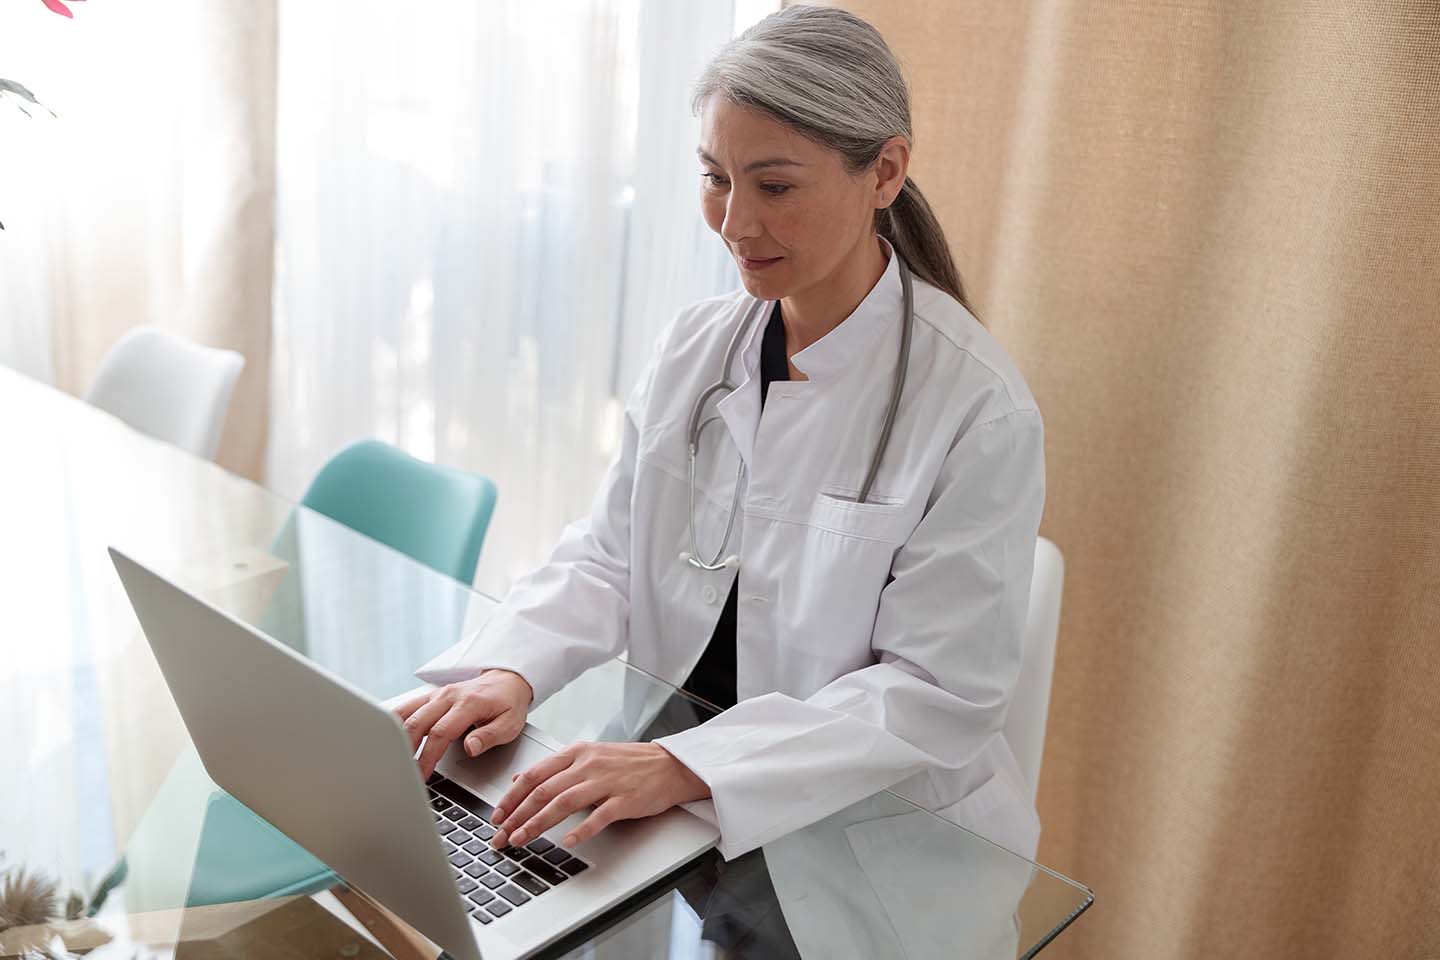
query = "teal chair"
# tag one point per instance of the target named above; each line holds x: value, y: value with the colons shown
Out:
x: 438, y: 515
x: 434, y: 514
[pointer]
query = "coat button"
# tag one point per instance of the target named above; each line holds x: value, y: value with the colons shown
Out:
x: 710, y: 593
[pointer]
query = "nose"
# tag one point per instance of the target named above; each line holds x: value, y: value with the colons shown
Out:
x: 741, y: 222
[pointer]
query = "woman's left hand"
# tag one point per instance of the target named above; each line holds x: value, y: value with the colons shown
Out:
x: 623, y: 781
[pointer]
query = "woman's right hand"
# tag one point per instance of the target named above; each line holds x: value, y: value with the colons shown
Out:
x: 494, y: 704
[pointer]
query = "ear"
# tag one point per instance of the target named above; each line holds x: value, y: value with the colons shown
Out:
x: 890, y: 169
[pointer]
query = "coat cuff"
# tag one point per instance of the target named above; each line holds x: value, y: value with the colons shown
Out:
x: 689, y: 747
x: 498, y: 647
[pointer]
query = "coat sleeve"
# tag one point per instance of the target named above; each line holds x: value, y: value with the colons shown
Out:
x: 573, y: 612
x: 947, y: 641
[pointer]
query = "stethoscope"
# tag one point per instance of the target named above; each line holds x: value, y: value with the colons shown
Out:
x: 697, y: 426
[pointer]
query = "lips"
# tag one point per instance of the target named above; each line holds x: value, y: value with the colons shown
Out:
x: 758, y: 263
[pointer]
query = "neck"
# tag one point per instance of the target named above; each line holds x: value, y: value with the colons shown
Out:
x: 811, y: 313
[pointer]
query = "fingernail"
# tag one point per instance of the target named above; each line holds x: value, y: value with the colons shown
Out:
x: 569, y: 840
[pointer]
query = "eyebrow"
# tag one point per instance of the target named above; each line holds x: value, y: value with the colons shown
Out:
x: 757, y: 165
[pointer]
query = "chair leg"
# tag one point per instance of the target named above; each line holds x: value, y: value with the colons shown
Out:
x: 394, y: 934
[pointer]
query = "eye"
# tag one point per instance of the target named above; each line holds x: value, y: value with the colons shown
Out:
x: 713, y: 179
x: 775, y: 189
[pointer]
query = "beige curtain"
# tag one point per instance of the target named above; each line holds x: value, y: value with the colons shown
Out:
x: 1209, y: 234
x: 150, y: 199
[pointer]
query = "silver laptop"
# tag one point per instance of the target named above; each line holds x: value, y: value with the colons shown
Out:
x: 333, y: 770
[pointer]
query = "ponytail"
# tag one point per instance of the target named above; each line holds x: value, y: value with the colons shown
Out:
x: 912, y: 229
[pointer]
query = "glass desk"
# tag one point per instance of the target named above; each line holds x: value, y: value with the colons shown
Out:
x: 106, y: 799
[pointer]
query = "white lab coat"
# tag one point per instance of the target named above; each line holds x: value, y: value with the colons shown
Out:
x: 878, y: 643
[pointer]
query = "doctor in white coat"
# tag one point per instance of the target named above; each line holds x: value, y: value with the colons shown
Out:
x: 861, y: 645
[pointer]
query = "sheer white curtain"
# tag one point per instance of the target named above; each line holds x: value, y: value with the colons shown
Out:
x: 486, y: 213
x: 149, y: 198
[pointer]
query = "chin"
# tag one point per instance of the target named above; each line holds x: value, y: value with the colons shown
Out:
x: 763, y: 287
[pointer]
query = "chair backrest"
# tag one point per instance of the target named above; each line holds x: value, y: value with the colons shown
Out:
x: 172, y: 389
x: 1030, y: 705
x: 437, y: 515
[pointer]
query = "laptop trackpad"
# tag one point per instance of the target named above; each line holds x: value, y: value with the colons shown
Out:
x: 489, y: 774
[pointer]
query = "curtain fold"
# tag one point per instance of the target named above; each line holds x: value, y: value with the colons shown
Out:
x: 486, y: 216
x: 149, y: 199
x: 1209, y: 234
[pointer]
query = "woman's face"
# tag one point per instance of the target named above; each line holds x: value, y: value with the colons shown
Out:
x: 786, y: 207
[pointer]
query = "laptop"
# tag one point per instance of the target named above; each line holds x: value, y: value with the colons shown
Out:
x: 333, y: 770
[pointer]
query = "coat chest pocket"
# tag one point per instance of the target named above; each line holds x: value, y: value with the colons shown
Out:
x: 880, y: 519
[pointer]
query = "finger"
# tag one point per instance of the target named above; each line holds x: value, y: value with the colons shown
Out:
x: 414, y: 703
x: 501, y: 729
x: 604, y: 815
x: 418, y: 725
x: 445, y: 731
x: 577, y: 797
x: 528, y: 780
x: 543, y: 794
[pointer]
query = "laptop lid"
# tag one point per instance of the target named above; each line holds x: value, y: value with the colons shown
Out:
x: 314, y: 756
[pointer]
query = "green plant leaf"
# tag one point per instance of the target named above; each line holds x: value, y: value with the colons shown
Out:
x: 23, y: 92
x: 19, y: 89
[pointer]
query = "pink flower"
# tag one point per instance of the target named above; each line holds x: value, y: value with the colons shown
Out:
x: 57, y: 7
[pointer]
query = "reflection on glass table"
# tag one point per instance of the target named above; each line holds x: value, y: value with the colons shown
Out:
x: 879, y: 879
x: 107, y: 798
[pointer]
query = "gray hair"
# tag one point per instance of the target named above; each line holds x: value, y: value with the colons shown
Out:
x: 829, y: 75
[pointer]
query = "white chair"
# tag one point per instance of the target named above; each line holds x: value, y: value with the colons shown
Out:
x: 172, y: 389
x: 1030, y: 705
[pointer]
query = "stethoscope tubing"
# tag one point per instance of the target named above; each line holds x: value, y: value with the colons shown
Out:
x: 696, y: 426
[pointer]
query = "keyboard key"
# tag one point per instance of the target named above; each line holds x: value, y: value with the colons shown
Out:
x: 515, y: 853
x: 556, y: 857
x: 484, y: 831
x: 471, y: 822
x: 481, y: 897
x: 492, y: 880
x: 573, y: 866
x: 465, y: 798
x: 539, y: 845
x: 439, y: 803
x: 435, y: 778
x: 514, y: 895
x: 479, y: 914
x: 447, y: 827
x: 475, y: 847
x: 491, y: 857
x: 453, y: 813
x: 545, y: 872
x: 476, y: 870
x: 499, y: 908
x: 532, y: 886
x: 459, y: 858
x: 449, y: 847
x: 466, y: 885
x: 508, y: 867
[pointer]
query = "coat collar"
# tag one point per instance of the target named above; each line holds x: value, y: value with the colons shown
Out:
x: 827, y: 357
x: 852, y: 339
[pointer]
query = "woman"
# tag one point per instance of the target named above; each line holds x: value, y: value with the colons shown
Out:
x: 866, y: 642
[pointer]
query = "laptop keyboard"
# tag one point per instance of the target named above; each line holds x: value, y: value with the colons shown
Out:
x: 493, y: 882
